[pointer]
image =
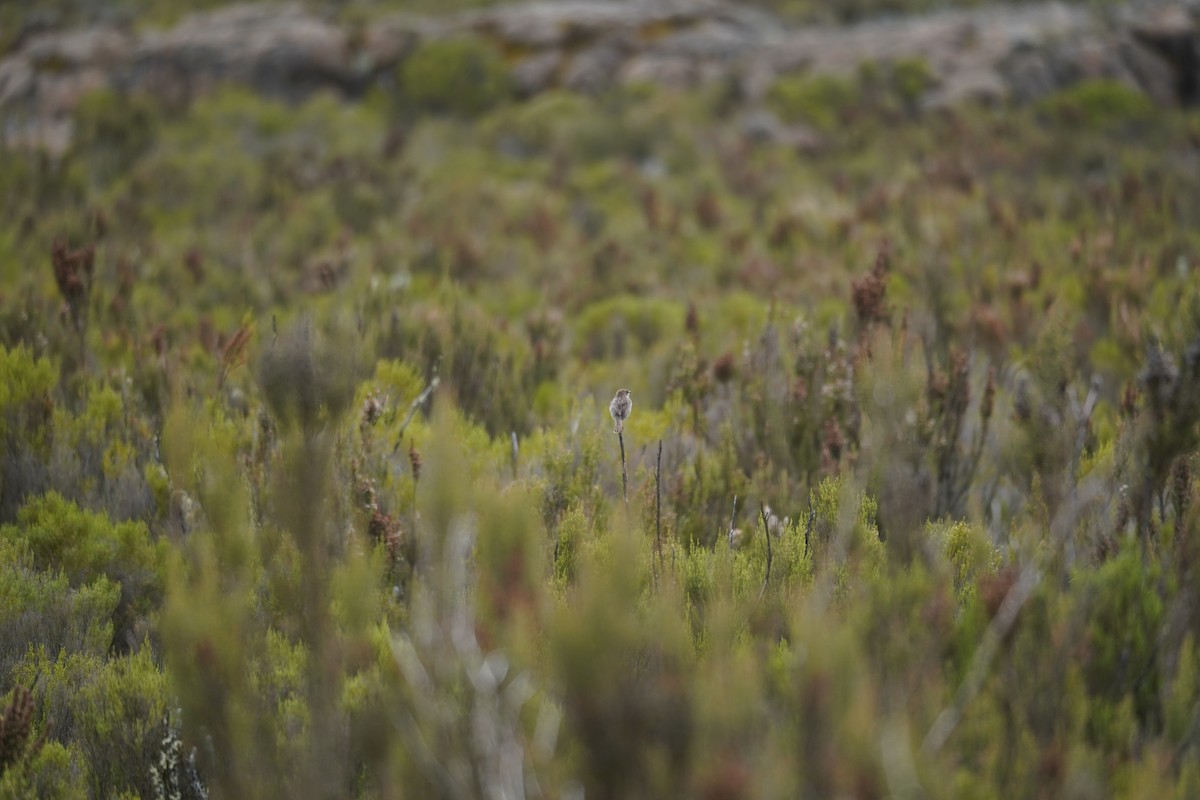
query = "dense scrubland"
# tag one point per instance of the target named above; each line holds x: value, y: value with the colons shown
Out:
x: 308, y: 486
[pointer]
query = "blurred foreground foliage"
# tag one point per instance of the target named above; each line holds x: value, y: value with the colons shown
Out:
x: 307, y: 487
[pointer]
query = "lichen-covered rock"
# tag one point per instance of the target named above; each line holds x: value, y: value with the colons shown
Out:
x: 762, y: 126
x: 42, y: 84
x: 595, y: 68
x: 537, y: 72
x: 570, y: 24
x: 1173, y: 34
x: 280, y: 51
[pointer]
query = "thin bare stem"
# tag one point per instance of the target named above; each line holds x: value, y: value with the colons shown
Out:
x: 658, y: 508
x: 732, y: 517
x: 415, y: 462
x: 624, y: 473
x: 233, y: 354
x: 981, y: 662
x: 812, y: 515
x: 412, y: 410
x: 514, y: 455
x: 1028, y: 579
x: 762, y: 511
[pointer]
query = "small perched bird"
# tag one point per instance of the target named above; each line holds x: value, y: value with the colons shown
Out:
x: 620, y: 407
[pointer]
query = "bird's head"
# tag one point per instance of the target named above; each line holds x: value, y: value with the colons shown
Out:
x: 623, y: 393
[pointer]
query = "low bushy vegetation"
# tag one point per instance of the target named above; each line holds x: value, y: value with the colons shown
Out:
x: 308, y: 488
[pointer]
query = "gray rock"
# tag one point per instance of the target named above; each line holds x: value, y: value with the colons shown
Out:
x: 1161, y: 23
x: 1028, y: 75
x: 1173, y: 33
x: 710, y: 40
x: 42, y: 84
x: 99, y: 47
x: 280, y: 51
x: 993, y: 54
x: 576, y: 22
x: 1151, y: 71
x: 388, y: 41
x: 596, y: 68
x: 761, y: 126
x: 675, y: 72
x: 17, y: 81
x: 537, y: 73
x: 983, y: 86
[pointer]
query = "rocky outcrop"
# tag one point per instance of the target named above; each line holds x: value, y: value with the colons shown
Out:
x: 42, y: 83
x: 992, y: 54
x: 281, y: 52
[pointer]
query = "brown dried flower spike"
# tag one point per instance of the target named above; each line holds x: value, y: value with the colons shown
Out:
x: 16, y: 725
x: 233, y: 354
x: 870, y: 292
x: 73, y: 271
x: 414, y: 460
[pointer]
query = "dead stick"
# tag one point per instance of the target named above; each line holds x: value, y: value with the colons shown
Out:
x: 762, y: 510
x: 514, y: 454
x: 412, y: 411
x: 1002, y: 624
x: 812, y: 515
x: 662, y: 565
x: 732, y: 517
x: 624, y: 474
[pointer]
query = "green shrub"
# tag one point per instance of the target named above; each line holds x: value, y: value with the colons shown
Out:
x: 911, y: 78
x: 969, y: 552
x: 626, y: 324
x: 543, y: 123
x: 55, y: 772
x: 119, y: 711
x: 112, y: 714
x: 464, y: 77
x: 41, y: 609
x: 26, y: 408
x: 95, y: 456
x: 114, y: 129
x: 26, y: 387
x: 56, y: 536
x: 818, y: 100
x: 60, y: 536
x: 1126, y: 612
x: 56, y: 678
x: 1096, y: 104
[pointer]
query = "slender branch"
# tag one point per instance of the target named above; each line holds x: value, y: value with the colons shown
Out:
x: 812, y: 515
x: 1083, y: 419
x: 981, y: 662
x: 1061, y: 528
x: 973, y: 460
x: 762, y: 511
x: 1190, y: 736
x: 233, y: 354
x: 662, y: 565
x: 414, y: 461
x: 732, y: 517
x: 412, y: 410
x: 514, y: 455
x: 624, y: 473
